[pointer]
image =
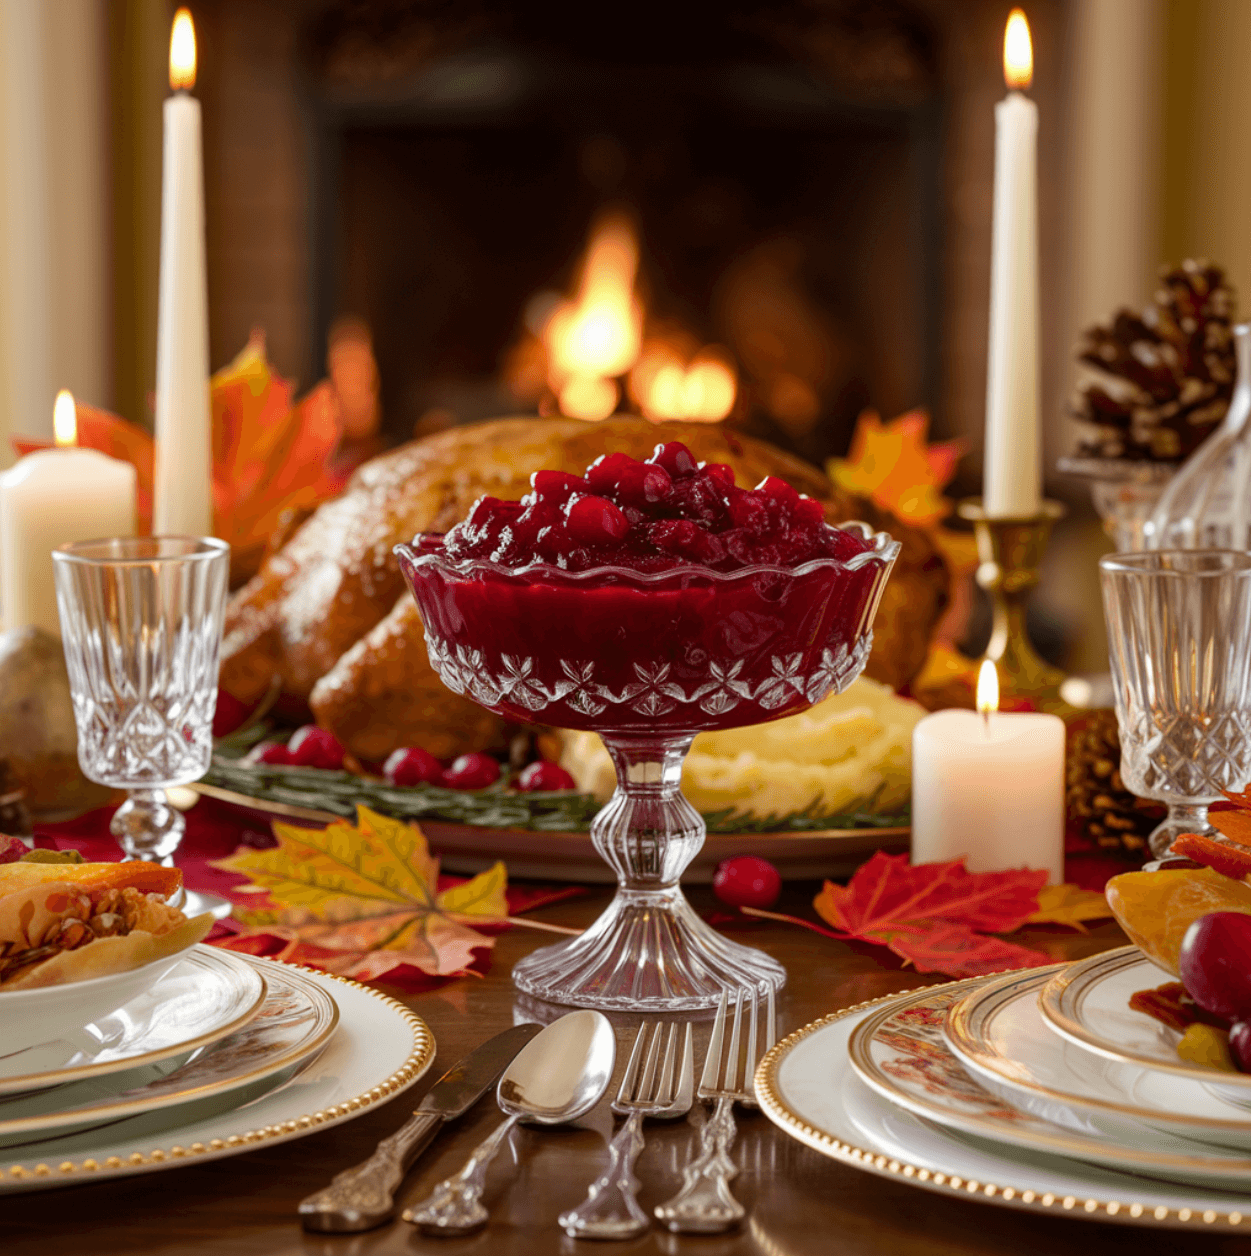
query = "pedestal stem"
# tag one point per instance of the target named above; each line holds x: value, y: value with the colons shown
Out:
x: 648, y: 952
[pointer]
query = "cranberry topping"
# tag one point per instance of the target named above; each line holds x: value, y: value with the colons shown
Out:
x: 651, y: 516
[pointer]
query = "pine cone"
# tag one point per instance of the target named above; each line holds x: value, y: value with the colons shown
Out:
x: 1099, y: 806
x: 1170, y: 371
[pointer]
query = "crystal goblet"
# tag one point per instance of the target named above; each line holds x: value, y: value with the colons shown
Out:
x: 1178, y: 624
x: 141, y: 622
x: 647, y: 661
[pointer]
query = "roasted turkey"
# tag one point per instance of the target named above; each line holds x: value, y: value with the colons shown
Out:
x: 328, y: 613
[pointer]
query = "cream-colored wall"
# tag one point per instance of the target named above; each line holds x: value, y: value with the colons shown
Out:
x: 54, y: 219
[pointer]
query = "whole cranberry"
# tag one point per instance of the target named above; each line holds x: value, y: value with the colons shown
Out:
x: 594, y: 521
x: 271, y: 752
x: 675, y: 458
x: 411, y: 765
x: 313, y: 747
x: 542, y: 776
x: 747, y: 881
x: 1240, y: 1044
x: 229, y: 713
x: 472, y: 771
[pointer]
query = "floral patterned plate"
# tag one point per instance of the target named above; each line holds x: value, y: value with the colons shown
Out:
x: 900, y: 1052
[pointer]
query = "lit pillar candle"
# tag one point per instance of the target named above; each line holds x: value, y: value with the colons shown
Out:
x: 1013, y: 476
x: 988, y: 785
x: 183, y: 489
x: 48, y: 499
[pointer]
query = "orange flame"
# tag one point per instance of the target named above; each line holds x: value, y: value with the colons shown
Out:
x: 702, y: 390
x: 1018, y: 52
x: 182, y: 52
x: 65, y: 419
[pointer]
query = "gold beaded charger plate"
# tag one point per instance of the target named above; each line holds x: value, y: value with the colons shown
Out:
x: 293, y: 1023
x: 1088, y: 1003
x: 378, y: 1050
x: 557, y: 856
x: 209, y: 994
x: 807, y: 1086
x: 997, y: 1032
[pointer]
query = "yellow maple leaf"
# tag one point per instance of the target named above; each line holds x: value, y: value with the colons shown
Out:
x: 1069, y: 905
x: 370, y: 892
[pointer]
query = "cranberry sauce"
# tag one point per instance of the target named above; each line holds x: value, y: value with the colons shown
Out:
x: 650, y: 516
x: 619, y: 627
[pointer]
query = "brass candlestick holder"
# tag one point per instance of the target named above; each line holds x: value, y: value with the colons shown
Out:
x: 1010, y: 553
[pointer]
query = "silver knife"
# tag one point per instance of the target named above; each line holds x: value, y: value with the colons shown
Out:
x: 364, y: 1196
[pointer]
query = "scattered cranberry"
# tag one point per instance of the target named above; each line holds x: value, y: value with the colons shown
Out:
x: 274, y: 753
x: 747, y: 881
x: 543, y: 776
x: 11, y: 848
x: 229, y: 713
x: 472, y: 771
x: 412, y: 765
x: 313, y: 747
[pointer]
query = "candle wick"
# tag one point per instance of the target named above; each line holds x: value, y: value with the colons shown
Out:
x: 986, y: 721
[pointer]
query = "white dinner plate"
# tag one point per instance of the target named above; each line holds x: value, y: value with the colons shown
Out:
x: 294, y: 1022
x: 900, y: 1053
x: 208, y: 994
x: 1088, y: 1003
x: 997, y: 1032
x: 379, y: 1049
x: 807, y: 1086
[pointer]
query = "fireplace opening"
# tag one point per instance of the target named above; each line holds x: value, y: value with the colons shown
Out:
x: 776, y: 169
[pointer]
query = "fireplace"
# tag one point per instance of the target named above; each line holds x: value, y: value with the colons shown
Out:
x: 808, y: 184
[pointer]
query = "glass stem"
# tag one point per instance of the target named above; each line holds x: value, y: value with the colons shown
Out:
x: 147, y: 827
x: 648, y: 833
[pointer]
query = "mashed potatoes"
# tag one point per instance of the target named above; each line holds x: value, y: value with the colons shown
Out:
x: 851, y: 749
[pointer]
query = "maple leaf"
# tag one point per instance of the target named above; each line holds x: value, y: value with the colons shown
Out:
x: 1069, y: 905
x: 362, y: 900
x: 935, y: 915
x: 892, y: 465
x: 1235, y: 825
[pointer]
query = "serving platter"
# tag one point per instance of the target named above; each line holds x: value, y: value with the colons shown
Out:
x: 806, y: 1085
x: 207, y: 995
x: 900, y: 1053
x: 1088, y: 1003
x: 997, y: 1032
x: 557, y: 856
x: 378, y: 1050
x: 294, y: 1022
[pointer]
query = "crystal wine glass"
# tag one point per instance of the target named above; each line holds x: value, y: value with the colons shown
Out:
x: 141, y: 622
x: 1178, y: 623
x: 647, y: 661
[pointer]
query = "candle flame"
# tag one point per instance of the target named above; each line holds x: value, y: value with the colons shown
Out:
x: 182, y: 52
x: 65, y: 419
x: 1018, y: 52
x: 987, y: 688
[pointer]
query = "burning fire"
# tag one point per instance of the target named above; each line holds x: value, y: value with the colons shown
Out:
x: 590, y: 347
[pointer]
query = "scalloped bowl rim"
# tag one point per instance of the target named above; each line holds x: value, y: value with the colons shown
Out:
x: 885, y: 549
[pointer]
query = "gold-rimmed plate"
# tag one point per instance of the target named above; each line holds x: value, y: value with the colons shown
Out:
x: 806, y: 1085
x: 379, y: 1049
x: 997, y: 1032
x: 293, y: 1023
x: 207, y: 995
x: 553, y: 856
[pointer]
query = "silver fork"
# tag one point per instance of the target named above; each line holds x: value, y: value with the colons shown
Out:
x: 611, y: 1208
x: 704, y: 1205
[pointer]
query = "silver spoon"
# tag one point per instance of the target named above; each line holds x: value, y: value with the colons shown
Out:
x: 556, y: 1077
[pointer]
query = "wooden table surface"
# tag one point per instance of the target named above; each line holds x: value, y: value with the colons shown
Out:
x: 799, y: 1202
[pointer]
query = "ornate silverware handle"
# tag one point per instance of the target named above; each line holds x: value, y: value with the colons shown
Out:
x: 704, y: 1205
x: 454, y: 1206
x: 611, y: 1209
x: 364, y: 1196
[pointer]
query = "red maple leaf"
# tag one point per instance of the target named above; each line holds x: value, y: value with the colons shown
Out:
x: 936, y: 916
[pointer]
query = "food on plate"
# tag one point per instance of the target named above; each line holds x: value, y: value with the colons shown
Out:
x: 849, y: 750
x: 61, y: 923
x: 326, y: 616
x: 1209, y: 1046
x: 1215, y: 963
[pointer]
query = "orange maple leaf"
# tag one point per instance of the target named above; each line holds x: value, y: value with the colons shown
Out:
x: 894, y: 466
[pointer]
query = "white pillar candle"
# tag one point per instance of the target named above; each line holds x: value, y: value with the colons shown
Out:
x: 1013, y: 464
x: 989, y: 788
x: 183, y: 488
x: 48, y: 499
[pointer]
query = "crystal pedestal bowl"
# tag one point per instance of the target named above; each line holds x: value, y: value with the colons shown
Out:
x: 647, y: 661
